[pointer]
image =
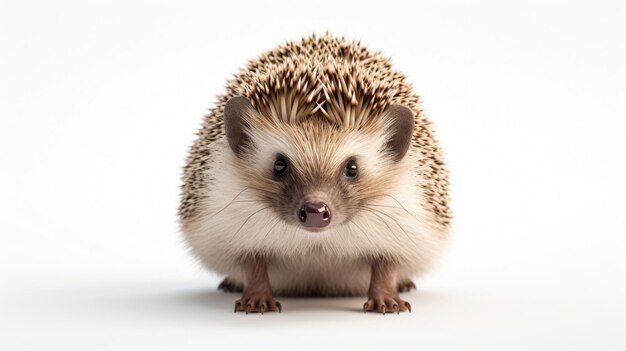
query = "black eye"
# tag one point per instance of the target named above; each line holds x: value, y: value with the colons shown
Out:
x: 351, y: 170
x: 280, y: 167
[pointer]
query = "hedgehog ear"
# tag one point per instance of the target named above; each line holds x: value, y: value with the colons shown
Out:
x: 399, y: 123
x: 238, y: 111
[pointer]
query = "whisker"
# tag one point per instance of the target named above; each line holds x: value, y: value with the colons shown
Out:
x: 396, y: 221
x: 230, y: 203
x: 382, y: 219
x: 389, y: 216
x: 404, y: 208
x: 364, y: 233
x: 246, y: 221
x: 388, y: 206
x: 277, y: 218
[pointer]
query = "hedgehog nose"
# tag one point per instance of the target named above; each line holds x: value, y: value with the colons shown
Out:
x: 314, y: 214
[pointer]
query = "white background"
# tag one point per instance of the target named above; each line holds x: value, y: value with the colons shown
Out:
x: 99, y: 102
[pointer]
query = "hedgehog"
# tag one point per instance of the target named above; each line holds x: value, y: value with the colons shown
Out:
x: 316, y: 174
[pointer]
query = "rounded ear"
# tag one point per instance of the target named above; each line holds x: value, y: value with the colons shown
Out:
x: 238, y: 111
x: 399, y: 121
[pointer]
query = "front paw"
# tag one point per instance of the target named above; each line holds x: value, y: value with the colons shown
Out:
x: 386, y: 303
x: 257, y: 303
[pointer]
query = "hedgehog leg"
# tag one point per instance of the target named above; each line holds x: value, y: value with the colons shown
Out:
x: 406, y: 286
x: 230, y: 286
x: 257, y: 292
x: 383, y: 292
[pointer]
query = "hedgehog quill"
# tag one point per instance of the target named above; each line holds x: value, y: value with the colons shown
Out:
x: 316, y: 174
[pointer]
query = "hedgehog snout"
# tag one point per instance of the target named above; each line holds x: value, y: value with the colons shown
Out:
x: 314, y: 214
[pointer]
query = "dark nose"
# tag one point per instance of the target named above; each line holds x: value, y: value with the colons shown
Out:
x: 314, y: 214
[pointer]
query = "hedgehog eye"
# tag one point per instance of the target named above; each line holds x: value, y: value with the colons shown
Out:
x: 351, y: 170
x: 280, y: 166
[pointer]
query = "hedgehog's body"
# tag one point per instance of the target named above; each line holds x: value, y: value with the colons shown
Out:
x: 313, y: 110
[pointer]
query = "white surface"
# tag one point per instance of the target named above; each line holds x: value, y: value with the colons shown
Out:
x: 99, y: 103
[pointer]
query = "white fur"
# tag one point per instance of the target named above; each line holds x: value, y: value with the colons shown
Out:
x: 332, y: 261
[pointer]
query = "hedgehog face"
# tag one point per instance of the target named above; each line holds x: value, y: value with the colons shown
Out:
x: 314, y: 174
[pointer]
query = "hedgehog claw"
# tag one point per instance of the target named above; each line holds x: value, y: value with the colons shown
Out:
x: 380, y: 304
x: 262, y: 304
